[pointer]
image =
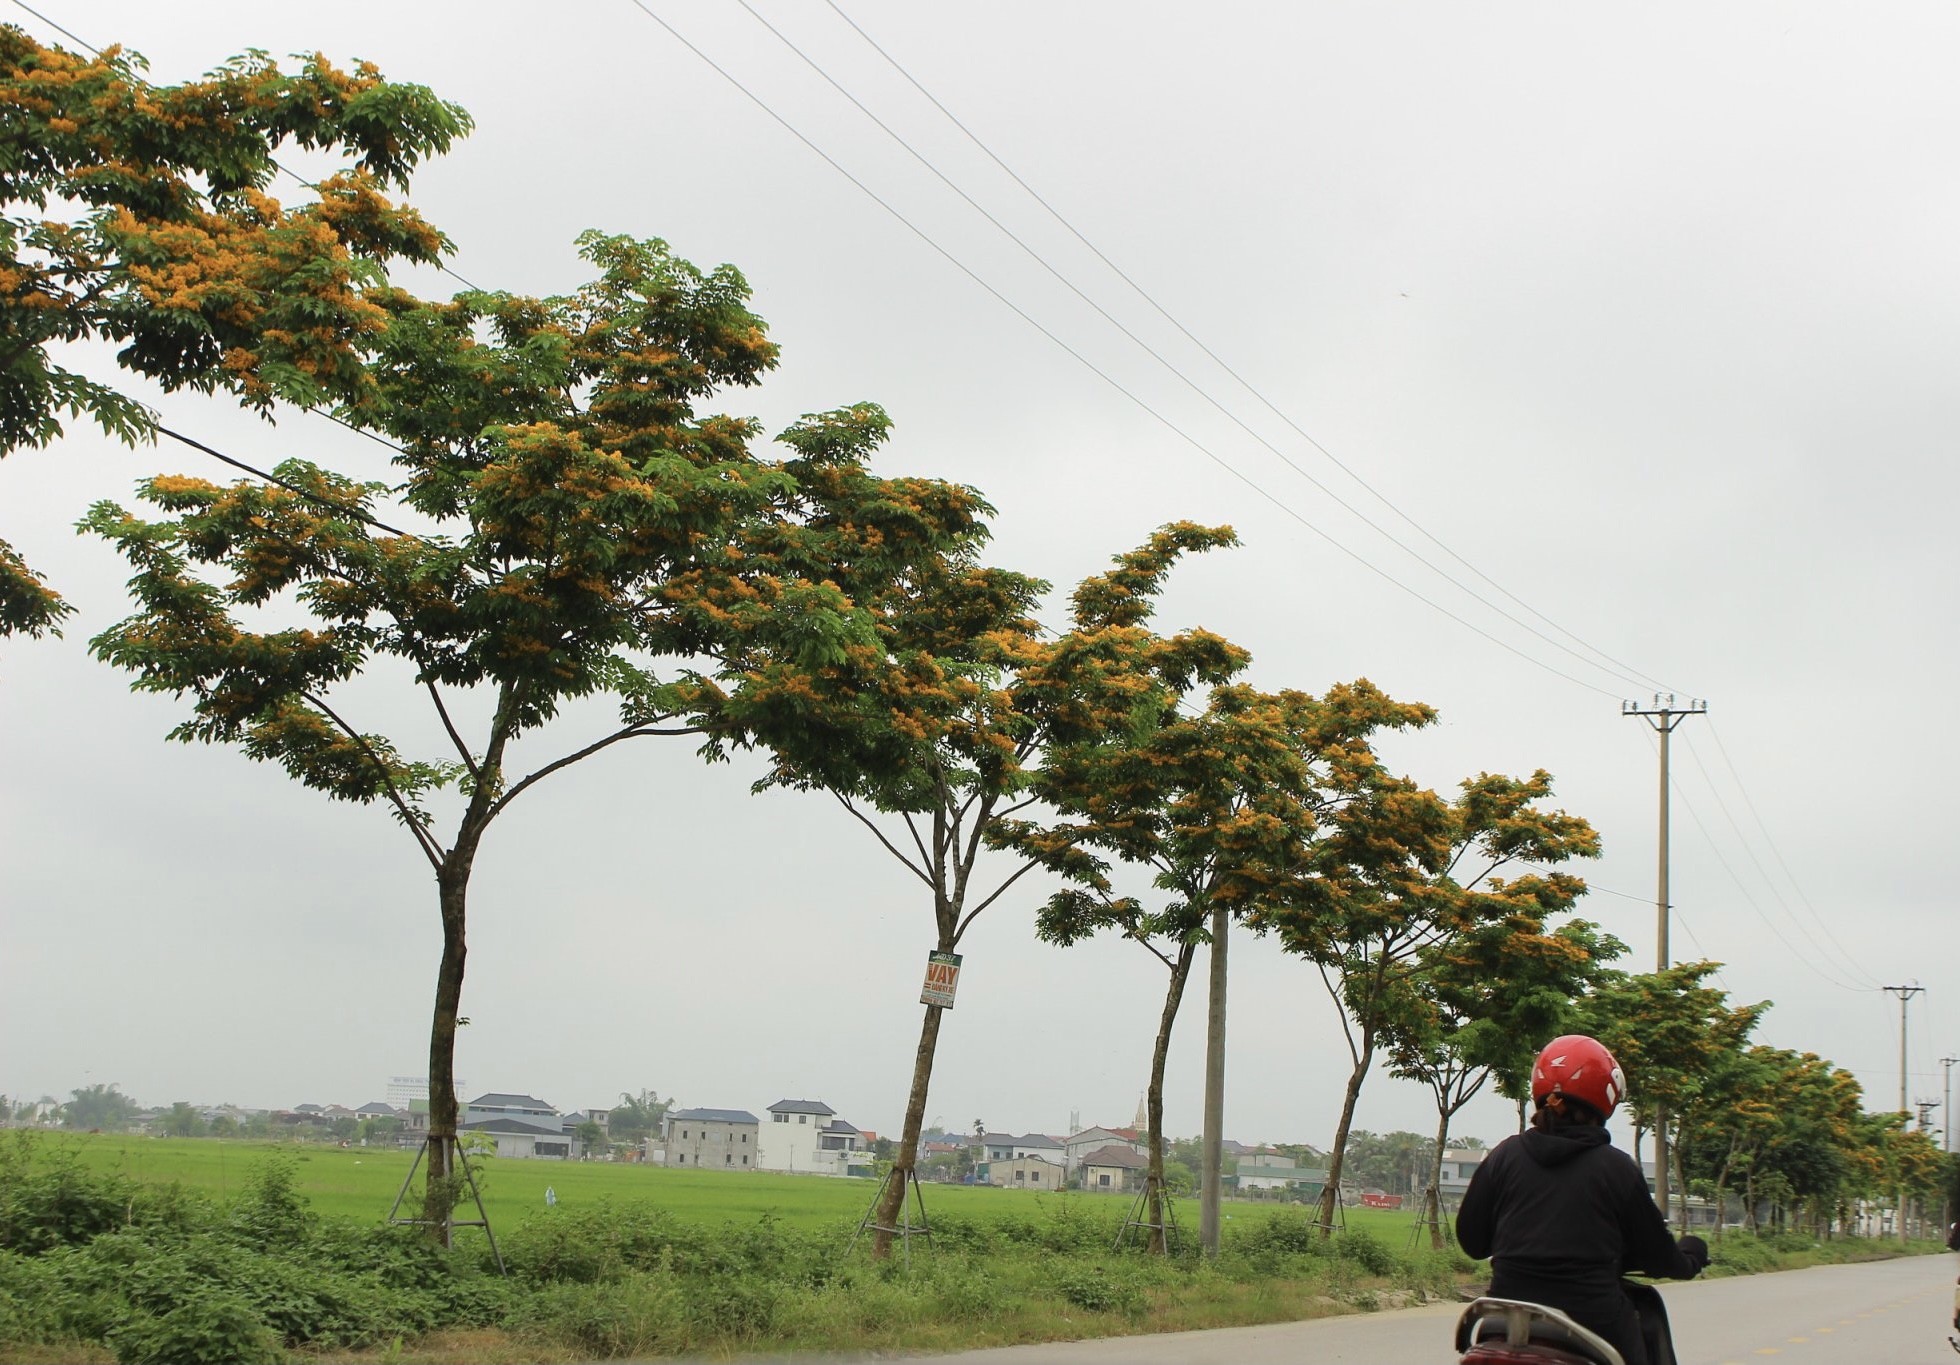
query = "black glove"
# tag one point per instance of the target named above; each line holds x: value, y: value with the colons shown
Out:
x: 1695, y: 1250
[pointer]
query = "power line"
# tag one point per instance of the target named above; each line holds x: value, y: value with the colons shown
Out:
x: 1749, y: 848
x: 278, y: 165
x: 1750, y: 900
x: 1096, y: 370
x: 358, y: 513
x: 1153, y: 352
x: 1217, y: 359
x: 1715, y: 733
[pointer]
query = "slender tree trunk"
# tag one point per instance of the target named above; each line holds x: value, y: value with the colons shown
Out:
x: 1521, y: 1127
x: 1433, y: 1201
x: 1338, y: 1157
x: 452, y: 886
x: 439, y: 1193
x: 1721, y: 1192
x: 1173, y: 998
x: 906, y: 1163
x: 1681, y: 1175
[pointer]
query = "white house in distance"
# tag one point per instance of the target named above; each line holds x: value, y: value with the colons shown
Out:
x: 712, y: 1139
x: 1272, y: 1171
x: 807, y: 1137
x: 1094, y: 1140
x: 1113, y: 1168
x: 1459, y: 1164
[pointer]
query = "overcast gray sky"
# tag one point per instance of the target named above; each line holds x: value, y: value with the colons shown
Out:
x: 1651, y: 316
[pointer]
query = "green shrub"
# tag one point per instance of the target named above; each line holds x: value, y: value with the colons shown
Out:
x: 732, y: 1307
x: 1098, y: 1291
x: 210, y: 1325
x: 640, y: 1314
x: 1360, y: 1248
x: 1292, y: 1232
x: 965, y: 1292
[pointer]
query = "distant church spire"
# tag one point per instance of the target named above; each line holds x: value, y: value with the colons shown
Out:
x: 1143, y: 1114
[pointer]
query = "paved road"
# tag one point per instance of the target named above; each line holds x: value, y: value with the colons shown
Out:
x: 1881, y: 1313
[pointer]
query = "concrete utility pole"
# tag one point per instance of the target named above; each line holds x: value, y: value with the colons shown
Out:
x: 1946, y: 1104
x: 1905, y: 994
x: 1214, y: 1136
x: 1663, y: 715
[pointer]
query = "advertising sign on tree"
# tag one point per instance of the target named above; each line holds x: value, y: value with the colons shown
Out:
x: 942, y: 979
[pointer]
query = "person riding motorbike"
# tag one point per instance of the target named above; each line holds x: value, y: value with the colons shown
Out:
x: 1562, y: 1213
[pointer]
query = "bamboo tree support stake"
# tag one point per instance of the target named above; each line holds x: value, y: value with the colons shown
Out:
x: 449, y: 1222
x: 1139, y: 1218
x: 1336, y: 1220
x: 904, y: 1229
x: 1437, y: 1224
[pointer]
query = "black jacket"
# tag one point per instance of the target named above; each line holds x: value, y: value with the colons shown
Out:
x: 1562, y: 1215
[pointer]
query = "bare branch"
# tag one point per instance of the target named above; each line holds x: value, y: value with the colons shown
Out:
x: 629, y: 732
x: 1132, y: 933
x: 879, y: 834
x: 1340, y: 1009
x: 998, y: 892
x: 912, y: 828
x: 461, y: 748
x: 413, y: 819
x: 1017, y: 807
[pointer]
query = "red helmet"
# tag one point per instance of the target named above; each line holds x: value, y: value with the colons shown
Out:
x: 1581, y: 1067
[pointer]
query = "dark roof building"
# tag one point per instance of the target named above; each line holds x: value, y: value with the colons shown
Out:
x: 513, y: 1126
x: 801, y: 1107
x: 716, y: 1116
x: 1113, y: 1155
x: 497, y: 1099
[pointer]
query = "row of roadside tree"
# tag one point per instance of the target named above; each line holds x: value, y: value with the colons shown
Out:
x: 570, y: 521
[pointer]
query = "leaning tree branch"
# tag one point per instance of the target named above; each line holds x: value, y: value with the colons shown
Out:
x: 463, y: 749
x: 1340, y: 1009
x: 629, y: 732
x: 998, y: 892
x: 410, y: 816
x: 912, y: 828
x: 879, y: 835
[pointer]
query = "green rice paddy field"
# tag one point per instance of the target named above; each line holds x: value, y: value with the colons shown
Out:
x: 360, y: 1183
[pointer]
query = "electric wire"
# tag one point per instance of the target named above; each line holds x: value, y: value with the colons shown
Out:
x: 1098, y: 371
x: 1742, y: 890
x: 1694, y: 938
x: 284, y: 169
x: 1167, y: 364
x: 1715, y: 733
x: 360, y: 514
x: 1215, y: 358
x: 1749, y: 848
x: 1026, y: 317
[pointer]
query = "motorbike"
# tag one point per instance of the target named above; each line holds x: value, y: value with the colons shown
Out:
x: 1513, y: 1332
x: 1954, y: 1342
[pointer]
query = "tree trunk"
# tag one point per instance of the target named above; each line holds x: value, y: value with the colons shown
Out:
x: 439, y: 1195
x: 1681, y: 1177
x: 1721, y: 1191
x: 1173, y: 998
x: 1433, y: 1201
x: 906, y: 1163
x: 1338, y: 1157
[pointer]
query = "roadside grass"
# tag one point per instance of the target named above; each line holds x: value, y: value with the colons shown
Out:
x: 153, y: 1253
